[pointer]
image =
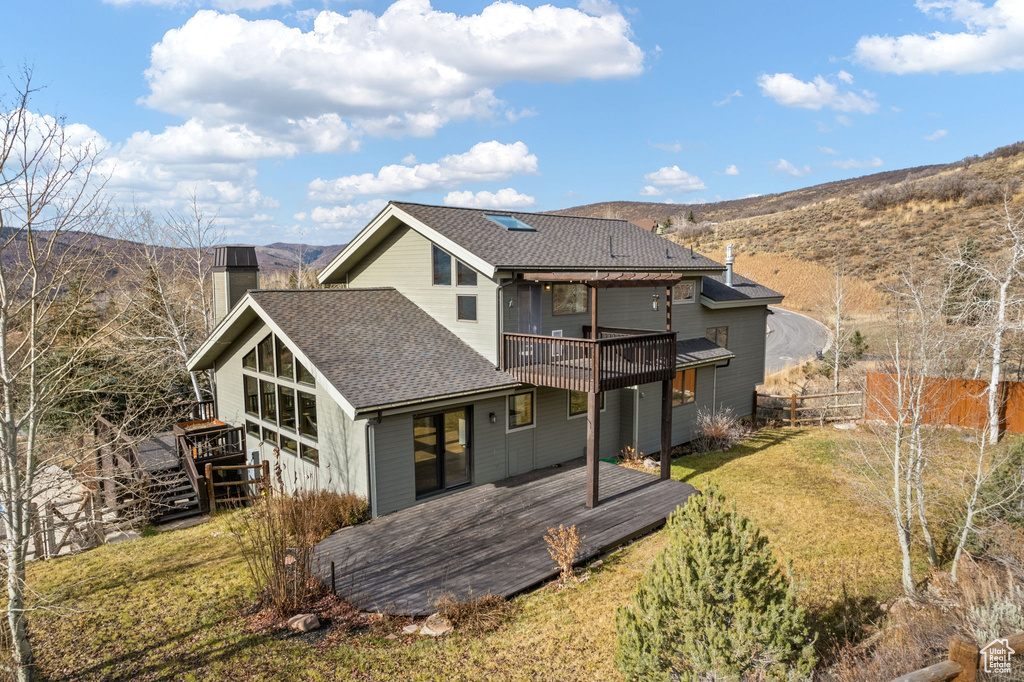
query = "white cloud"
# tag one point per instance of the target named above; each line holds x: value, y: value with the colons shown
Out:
x: 650, y: 191
x: 783, y: 166
x: 845, y: 76
x: 845, y: 121
x: 827, y: 151
x: 847, y: 164
x: 790, y: 91
x: 673, y: 178
x: 503, y: 198
x: 409, y: 160
x: 352, y: 216
x: 728, y: 98
x: 674, y: 147
x: 993, y: 40
x: 484, y: 162
x: 226, y: 5
x: 937, y: 135
x: 407, y: 72
x: 732, y: 170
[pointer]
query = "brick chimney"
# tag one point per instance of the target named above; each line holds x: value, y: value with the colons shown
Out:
x: 235, y: 271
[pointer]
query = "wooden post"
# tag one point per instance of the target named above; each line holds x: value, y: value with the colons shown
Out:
x: 666, y: 429
x: 965, y: 653
x: 266, y: 479
x: 209, y: 487
x: 334, y: 587
x: 49, y: 531
x: 593, y: 313
x: 593, y: 446
x: 792, y: 410
x: 668, y: 308
x: 34, y: 531
x: 753, y: 415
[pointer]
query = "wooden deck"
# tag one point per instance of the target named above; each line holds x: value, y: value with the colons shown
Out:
x: 489, y: 539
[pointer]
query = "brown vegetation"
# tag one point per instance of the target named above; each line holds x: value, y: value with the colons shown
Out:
x: 474, y: 614
x: 564, y: 546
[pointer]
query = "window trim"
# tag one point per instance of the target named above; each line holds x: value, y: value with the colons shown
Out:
x: 470, y: 439
x: 434, y: 250
x: 278, y: 346
x: 302, y: 454
x: 273, y: 356
x: 281, y: 388
x: 298, y: 415
x: 568, y: 405
x: 533, y: 424
x: 476, y: 310
x: 684, y: 301
x: 586, y: 298
x: 245, y: 396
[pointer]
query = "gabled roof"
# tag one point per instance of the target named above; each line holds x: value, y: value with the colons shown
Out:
x: 700, y: 351
x: 715, y: 294
x: 557, y: 242
x: 373, y: 347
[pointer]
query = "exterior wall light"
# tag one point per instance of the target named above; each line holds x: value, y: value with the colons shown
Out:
x: 493, y: 418
x: 655, y: 301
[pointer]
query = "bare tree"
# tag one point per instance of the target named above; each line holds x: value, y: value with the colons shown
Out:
x: 51, y: 204
x: 166, y: 290
x: 1000, y: 315
x: 834, y: 309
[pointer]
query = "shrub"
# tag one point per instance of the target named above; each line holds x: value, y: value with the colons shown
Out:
x: 481, y: 614
x: 714, y: 605
x: 630, y: 454
x: 564, y: 546
x: 717, y: 430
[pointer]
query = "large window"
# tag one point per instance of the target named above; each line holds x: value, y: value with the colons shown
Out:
x: 520, y: 410
x: 465, y: 275
x: 268, y: 401
x: 309, y: 454
x: 719, y: 335
x: 466, y: 308
x: 287, y: 404
x: 304, y: 375
x: 568, y: 299
x: 289, y: 444
x: 578, y: 403
x: 307, y: 414
x: 684, y: 387
x: 252, y: 397
x: 441, y: 447
x: 265, y: 351
x: 249, y: 360
x: 284, y: 361
x: 442, y: 266
x: 684, y: 292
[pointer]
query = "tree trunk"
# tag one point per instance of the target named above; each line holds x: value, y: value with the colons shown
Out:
x: 997, y: 365
x: 21, y: 648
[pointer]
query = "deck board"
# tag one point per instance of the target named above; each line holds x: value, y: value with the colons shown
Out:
x: 489, y: 539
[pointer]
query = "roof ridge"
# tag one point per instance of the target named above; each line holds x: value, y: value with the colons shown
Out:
x: 276, y: 291
x: 497, y: 210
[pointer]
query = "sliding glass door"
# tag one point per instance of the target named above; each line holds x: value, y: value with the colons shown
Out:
x: 442, y: 450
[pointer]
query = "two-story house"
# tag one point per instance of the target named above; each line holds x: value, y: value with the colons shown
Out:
x: 464, y: 346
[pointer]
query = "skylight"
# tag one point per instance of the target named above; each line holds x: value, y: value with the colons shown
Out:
x: 511, y: 223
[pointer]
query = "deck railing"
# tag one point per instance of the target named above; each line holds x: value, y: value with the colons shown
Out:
x: 212, y: 445
x: 590, y: 365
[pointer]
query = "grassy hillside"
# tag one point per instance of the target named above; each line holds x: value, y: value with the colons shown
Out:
x: 870, y: 224
x: 172, y: 606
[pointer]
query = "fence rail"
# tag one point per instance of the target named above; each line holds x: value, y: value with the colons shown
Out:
x: 245, y: 490
x: 963, y: 662
x: 789, y: 408
x: 74, y: 524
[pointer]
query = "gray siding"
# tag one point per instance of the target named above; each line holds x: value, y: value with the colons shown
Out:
x: 340, y: 442
x: 496, y: 453
x: 403, y: 261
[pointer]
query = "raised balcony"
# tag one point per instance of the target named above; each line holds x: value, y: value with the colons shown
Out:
x: 616, y: 359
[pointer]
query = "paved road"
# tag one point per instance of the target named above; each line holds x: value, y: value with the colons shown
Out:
x: 791, y: 338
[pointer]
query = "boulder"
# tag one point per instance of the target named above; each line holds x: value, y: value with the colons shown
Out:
x: 304, y: 622
x: 436, y: 626
x: 411, y: 629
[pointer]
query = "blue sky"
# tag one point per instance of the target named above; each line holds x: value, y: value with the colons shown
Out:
x: 296, y: 121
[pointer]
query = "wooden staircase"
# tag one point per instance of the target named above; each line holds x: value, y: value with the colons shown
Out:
x: 172, y: 496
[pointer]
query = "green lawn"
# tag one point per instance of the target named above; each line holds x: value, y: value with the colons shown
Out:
x: 167, y: 606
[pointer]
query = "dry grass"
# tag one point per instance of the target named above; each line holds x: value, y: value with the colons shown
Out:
x: 564, y: 544
x: 167, y: 607
x: 475, y: 614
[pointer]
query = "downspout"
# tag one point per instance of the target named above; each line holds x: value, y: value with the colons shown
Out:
x: 501, y: 319
x: 371, y: 464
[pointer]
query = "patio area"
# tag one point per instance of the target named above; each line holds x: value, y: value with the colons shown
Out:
x: 490, y: 539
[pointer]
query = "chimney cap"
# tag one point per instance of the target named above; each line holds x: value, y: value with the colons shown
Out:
x: 235, y: 257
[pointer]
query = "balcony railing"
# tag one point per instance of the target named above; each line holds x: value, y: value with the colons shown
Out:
x: 615, y: 361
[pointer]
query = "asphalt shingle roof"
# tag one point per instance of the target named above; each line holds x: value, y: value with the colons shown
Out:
x: 560, y: 242
x: 699, y: 351
x: 376, y: 346
x: 742, y: 289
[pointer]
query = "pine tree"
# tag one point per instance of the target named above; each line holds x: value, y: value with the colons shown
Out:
x: 691, y: 218
x: 714, y: 605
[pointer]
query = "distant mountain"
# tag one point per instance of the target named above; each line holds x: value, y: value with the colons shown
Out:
x: 286, y: 257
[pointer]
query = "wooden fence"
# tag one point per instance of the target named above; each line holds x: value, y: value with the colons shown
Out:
x: 964, y: 663
x: 961, y: 403
x: 799, y: 410
x: 66, y: 526
x: 239, y: 491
